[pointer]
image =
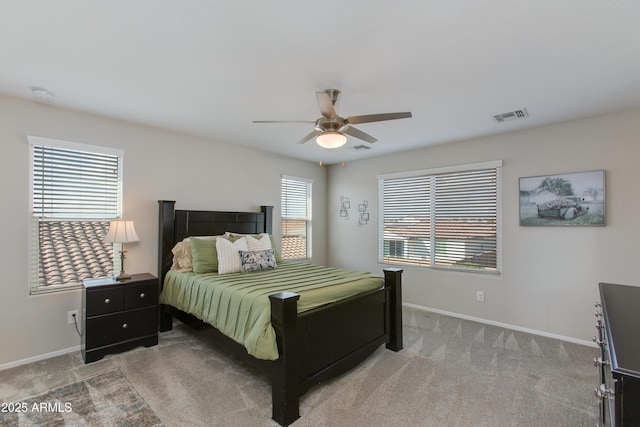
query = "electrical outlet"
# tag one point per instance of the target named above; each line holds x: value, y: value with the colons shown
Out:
x: 480, y: 296
x: 70, y: 315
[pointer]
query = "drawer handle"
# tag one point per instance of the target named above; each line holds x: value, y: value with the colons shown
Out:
x: 125, y: 326
x: 107, y: 300
x: 142, y: 295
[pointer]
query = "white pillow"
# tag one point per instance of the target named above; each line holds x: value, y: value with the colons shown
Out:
x: 261, y: 244
x: 229, y: 255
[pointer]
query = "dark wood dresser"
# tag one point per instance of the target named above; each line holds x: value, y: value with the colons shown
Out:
x: 119, y: 316
x: 618, y: 326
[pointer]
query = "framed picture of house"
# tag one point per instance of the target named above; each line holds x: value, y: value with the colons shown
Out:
x: 567, y: 200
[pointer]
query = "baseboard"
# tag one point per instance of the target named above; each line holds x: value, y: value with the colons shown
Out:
x: 502, y: 325
x: 39, y: 357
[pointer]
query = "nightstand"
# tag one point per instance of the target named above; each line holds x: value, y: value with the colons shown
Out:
x: 119, y: 315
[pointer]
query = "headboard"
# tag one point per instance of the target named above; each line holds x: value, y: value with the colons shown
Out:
x: 175, y: 225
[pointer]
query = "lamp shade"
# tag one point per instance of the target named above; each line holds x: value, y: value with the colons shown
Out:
x: 121, y: 231
x: 331, y: 140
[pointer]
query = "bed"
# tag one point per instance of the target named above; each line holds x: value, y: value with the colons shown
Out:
x: 313, y: 341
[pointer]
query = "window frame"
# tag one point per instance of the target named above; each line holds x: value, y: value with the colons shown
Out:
x: 308, y: 183
x: 433, y: 207
x: 34, y: 220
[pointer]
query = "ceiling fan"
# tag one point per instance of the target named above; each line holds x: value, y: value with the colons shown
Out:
x: 330, y: 129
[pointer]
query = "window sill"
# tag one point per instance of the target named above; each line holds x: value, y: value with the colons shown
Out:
x: 479, y: 272
x: 43, y: 290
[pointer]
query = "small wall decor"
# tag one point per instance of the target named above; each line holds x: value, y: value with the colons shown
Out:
x: 345, y: 205
x: 363, y: 214
x: 570, y: 199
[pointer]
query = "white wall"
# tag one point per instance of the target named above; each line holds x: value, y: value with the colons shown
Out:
x: 550, y: 275
x: 197, y: 173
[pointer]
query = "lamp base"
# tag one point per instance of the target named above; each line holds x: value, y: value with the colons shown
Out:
x: 122, y: 275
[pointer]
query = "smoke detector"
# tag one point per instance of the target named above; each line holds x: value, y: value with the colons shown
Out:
x: 511, y: 115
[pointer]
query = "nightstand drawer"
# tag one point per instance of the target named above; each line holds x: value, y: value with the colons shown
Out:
x: 105, y: 301
x: 118, y: 327
x: 138, y: 296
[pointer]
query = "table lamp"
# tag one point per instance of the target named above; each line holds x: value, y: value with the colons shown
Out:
x: 121, y: 231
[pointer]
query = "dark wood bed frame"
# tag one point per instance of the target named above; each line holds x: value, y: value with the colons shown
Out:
x: 313, y: 346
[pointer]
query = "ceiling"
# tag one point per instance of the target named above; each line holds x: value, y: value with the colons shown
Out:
x: 209, y: 68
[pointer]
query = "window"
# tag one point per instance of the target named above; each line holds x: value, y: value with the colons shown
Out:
x: 446, y: 217
x: 296, y: 217
x: 76, y: 190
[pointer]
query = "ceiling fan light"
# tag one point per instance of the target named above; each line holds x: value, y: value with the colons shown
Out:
x: 331, y: 140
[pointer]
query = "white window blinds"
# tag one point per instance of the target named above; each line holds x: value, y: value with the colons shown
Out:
x: 405, y: 216
x: 296, y: 217
x: 447, y: 217
x: 75, y: 184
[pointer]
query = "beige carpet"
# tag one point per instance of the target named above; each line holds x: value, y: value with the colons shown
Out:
x: 452, y: 373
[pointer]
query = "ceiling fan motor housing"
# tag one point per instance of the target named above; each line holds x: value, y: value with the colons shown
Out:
x: 335, y: 124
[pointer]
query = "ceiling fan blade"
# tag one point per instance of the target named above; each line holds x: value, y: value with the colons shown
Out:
x: 326, y: 105
x: 283, y: 121
x: 310, y: 136
x: 359, y: 134
x: 354, y: 120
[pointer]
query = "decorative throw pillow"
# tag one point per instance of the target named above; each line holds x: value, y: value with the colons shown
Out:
x: 204, y: 255
x: 275, y: 249
x: 229, y: 255
x: 261, y: 244
x: 182, y: 257
x: 231, y: 235
x: 257, y: 260
x: 186, y: 239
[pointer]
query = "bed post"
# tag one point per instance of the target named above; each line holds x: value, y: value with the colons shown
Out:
x: 268, y: 219
x: 393, y: 280
x: 166, y: 236
x: 285, y: 394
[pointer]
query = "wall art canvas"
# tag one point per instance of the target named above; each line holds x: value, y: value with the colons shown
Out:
x: 567, y: 200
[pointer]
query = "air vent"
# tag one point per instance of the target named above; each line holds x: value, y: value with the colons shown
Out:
x: 511, y: 115
x: 361, y: 147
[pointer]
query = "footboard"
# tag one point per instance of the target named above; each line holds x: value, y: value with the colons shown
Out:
x: 325, y: 342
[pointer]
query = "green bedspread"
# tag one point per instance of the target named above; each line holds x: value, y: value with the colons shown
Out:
x: 238, y: 304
